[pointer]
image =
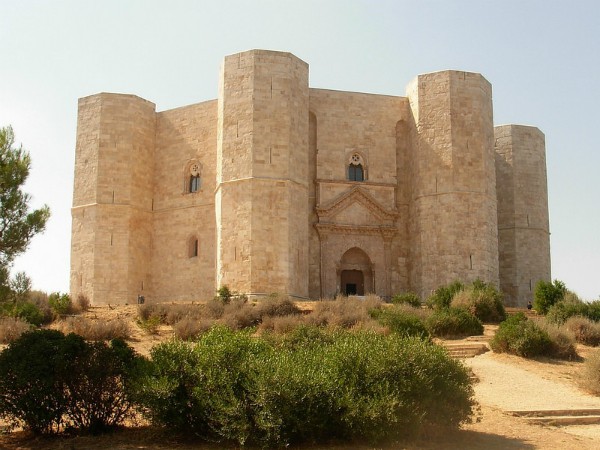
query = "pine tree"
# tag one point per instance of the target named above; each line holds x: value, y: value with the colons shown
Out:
x: 17, y: 224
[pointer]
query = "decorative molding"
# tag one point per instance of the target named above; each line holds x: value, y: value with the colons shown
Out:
x: 325, y: 229
x: 356, y: 195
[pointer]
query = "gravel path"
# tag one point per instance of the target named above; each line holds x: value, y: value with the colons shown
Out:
x: 512, y: 388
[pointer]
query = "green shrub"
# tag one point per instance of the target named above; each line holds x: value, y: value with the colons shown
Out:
x: 401, y: 321
x: 311, y: 385
x: 30, y: 381
x: 442, y: 296
x: 585, y: 330
x: 560, y: 312
x: 28, y: 312
x: 149, y: 325
x: 547, y: 294
x: 453, y: 323
x: 409, y: 298
x: 483, y: 301
x: 60, y: 303
x: 522, y: 337
x: 50, y: 381
x: 204, y: 388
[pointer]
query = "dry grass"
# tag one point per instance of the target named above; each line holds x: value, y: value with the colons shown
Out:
x: 276, y: 306
x: 190, y: 328
x: 585, y: 330
x: 93, y: 330
x: 344, y: 312
x: 589, y: 378
x: 281, y: 324
x: 563, y: 341
x: 11, y: 328
x: 239, y: 314
x: 82, y: 303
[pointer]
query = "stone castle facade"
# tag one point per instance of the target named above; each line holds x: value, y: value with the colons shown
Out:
x: 279, y: 187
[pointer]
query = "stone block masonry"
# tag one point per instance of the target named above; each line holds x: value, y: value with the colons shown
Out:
x: 279, y: 187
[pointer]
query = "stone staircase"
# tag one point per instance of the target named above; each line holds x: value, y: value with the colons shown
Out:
x: 560, y: 417
x: 462, y: 349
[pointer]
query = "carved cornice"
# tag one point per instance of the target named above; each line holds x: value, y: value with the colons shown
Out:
x: 356, y: 195
x: 325, y: 229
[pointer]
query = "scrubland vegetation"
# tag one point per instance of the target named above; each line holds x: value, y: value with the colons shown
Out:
x: 267, y: 372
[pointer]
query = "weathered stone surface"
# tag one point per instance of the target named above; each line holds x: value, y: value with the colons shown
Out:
x: 254, y: 190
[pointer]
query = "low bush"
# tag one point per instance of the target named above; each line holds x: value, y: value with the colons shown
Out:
x: 560, y: 312
x: 329, y: 385
x: 276, y: 306
x: 453, y: 323
x: 547, y: 294
x: 589, y: 378
x: 93, y: 330
x: 239, y: 314
x: 585, y: 330
x: 482, y: 300
x: 190, y: 328
x: 50, y: 381
x: 281, y: 324
x: 149, y: 325
x: 26, y: 311
x: 214, y: 309
x: 442, y: 296
x: 343, y: 312
x: 408, y: 298
x: 522, y: 337
x: 562, y: 340
x: 12, y: 328
x: 60, y: 303
x: 401, y: 321
x: 82, y: 303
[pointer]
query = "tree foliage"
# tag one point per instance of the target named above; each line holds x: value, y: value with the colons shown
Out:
x: 17, y: 224
x: 547, y: 294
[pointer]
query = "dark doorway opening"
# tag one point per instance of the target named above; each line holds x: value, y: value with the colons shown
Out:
x: 353, y: 282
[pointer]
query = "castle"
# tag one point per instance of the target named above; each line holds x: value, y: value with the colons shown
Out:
x: 279, y: 187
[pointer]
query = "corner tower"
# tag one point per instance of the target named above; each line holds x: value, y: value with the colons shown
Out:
x: 523, y: 226
x: 454, y: 229
x: 112, y: 198
x: 261, y: 197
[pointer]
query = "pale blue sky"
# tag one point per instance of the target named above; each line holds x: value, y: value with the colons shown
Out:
x: 542, y: 58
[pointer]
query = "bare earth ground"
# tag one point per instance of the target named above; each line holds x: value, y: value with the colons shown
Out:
x: 503, y: 383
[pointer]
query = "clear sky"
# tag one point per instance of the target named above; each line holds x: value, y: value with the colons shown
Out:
x: 541, y: 56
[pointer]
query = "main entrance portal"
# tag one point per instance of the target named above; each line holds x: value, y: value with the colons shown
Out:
x: 355, y: 273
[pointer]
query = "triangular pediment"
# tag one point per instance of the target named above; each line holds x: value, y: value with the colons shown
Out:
x: 356, y: 207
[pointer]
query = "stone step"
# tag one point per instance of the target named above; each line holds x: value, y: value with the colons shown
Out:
x: 465, y: 350
x: 560, y: 417
x: 556, y: 412
x: 564, y: 420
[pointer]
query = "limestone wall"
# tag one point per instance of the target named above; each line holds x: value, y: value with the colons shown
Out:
x: 111, y: 236
x: 348, y: 123
x: 262, y: 174
x: 523, y: 226
x: 453, y: 211
x: 184, y: 136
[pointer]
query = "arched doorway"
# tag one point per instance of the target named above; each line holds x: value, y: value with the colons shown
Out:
x: 355, y: 273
